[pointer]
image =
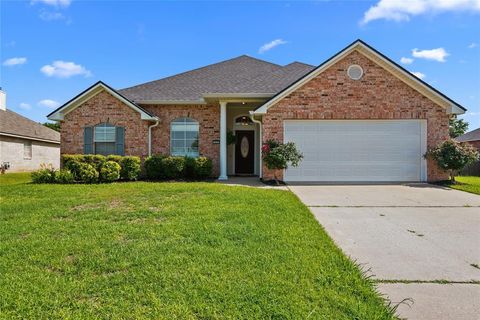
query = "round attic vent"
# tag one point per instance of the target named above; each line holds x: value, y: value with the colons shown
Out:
x: 355, y: 72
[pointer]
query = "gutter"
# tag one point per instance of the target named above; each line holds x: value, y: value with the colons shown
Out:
x: 157, y: 121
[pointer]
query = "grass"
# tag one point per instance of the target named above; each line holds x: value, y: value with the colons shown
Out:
x: 468, y: 183
x: 171, y: 251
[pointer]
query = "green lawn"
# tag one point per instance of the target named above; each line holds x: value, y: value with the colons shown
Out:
x: 171, y: 251
x: 468, y: 184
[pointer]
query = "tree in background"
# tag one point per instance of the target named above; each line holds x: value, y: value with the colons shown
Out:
x: 53, y: 125
x: 457, y: 127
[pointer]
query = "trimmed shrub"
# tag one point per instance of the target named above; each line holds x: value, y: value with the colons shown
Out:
x: 203, y: 168
x: 130, y: 168
x: 190, y: 168
x: 96, y: 160
x: 110, y: 171
x: 64, y: 176
x: 46, y: 174
x: 173, y: 167
x: 153, y: 167
x: 87, y: 173
x: 114, y: 157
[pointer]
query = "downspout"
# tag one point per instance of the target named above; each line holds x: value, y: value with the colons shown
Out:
x: 260, y: 169
x: 157, y: 121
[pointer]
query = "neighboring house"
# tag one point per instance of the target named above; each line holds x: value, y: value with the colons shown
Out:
x: 26, y: 144
x: 472, y: 137
x: 356, y: 117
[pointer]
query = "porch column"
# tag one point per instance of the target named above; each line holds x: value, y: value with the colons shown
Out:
x: 223, y: 141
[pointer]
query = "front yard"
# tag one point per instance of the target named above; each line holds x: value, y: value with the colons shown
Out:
x: 469, y: 184
x: 170, y: 251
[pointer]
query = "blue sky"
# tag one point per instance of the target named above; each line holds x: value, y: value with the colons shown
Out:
x: 53, y: 49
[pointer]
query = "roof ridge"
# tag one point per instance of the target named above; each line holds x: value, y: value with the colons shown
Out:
x: 200, y: 68
x: 298, y: 62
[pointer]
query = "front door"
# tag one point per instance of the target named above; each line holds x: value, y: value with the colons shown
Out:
x: 244, y: 152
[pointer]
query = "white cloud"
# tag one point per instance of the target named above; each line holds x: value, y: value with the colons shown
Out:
x: 472, y: 45
x: 402, y: 10
x: 25, y: 106
x: 55, y: 3
x: 406, y: 60
x: 51, y: 16
x: 49, y: 103
x: 14, y: 61
x: 64, y: 69
x: 438, y: 54
x: 270, y: 45
x: 418, y: 74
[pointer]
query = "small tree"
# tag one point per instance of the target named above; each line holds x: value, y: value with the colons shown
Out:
x: 53, y: 125
x: 457, y: 127
x: 452, y: 156
x: 278, y: 156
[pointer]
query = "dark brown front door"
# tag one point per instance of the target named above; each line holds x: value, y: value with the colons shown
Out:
x: 244, y: 152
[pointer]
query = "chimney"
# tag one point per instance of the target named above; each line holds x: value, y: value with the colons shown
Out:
x: 3, y: 100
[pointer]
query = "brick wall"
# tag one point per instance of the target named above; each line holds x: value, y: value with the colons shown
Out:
x: 104, y: 108
x: 208, y: 117
x: 378, y: 95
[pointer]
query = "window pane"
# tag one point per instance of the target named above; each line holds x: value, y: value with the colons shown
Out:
x: 184, y: 137
x: 105, y: 148
x: 27, y: 150
x: 104, y: 133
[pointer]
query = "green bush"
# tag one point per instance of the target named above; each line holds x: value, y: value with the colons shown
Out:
x: 46, y: 174
x: 130, y: 168
x: 96, y: 160
x: 190, y: 168
x: 203, y: 167
x: 154, y: 168
x: 198, y: 168
x: 64, y: 176
x: 173, y: 167
x: 451, y: 155
x: 115, y: 158
x: 110, y: 171
x: 87, y: 173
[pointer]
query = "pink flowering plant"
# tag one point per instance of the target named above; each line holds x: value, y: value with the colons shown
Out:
x: 279, y: 156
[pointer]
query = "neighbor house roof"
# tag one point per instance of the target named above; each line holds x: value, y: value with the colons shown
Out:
x: 241, y: 75
x: 473, y: 135
x: 15, y: 125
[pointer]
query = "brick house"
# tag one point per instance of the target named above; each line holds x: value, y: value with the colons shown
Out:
x: 356, y: 117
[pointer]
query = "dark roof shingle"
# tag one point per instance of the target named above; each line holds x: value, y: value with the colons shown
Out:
x: 243, y: 74
x: 473, y: 135
x: 15, y: 124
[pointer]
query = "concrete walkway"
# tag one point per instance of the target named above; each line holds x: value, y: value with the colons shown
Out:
x: 418, y: 241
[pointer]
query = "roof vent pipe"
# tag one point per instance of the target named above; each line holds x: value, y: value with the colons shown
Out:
x: 3, y: 100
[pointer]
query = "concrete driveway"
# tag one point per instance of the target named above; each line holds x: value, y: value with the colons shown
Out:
x: 419, y: 241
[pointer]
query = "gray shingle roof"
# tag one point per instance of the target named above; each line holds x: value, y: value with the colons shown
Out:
x: 473, y: 135
x: 243, y: 74
x: 15, y: 124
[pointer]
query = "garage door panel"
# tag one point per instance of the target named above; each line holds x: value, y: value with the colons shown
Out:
x: 353, y: 150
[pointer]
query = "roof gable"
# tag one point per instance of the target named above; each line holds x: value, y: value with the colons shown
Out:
x: 89, y: 93
x: 380, y: 59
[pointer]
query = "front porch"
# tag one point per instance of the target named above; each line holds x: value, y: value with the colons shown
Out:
x: 240, y: 140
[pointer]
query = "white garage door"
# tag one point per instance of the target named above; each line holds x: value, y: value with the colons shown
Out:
x: 358, y: 150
